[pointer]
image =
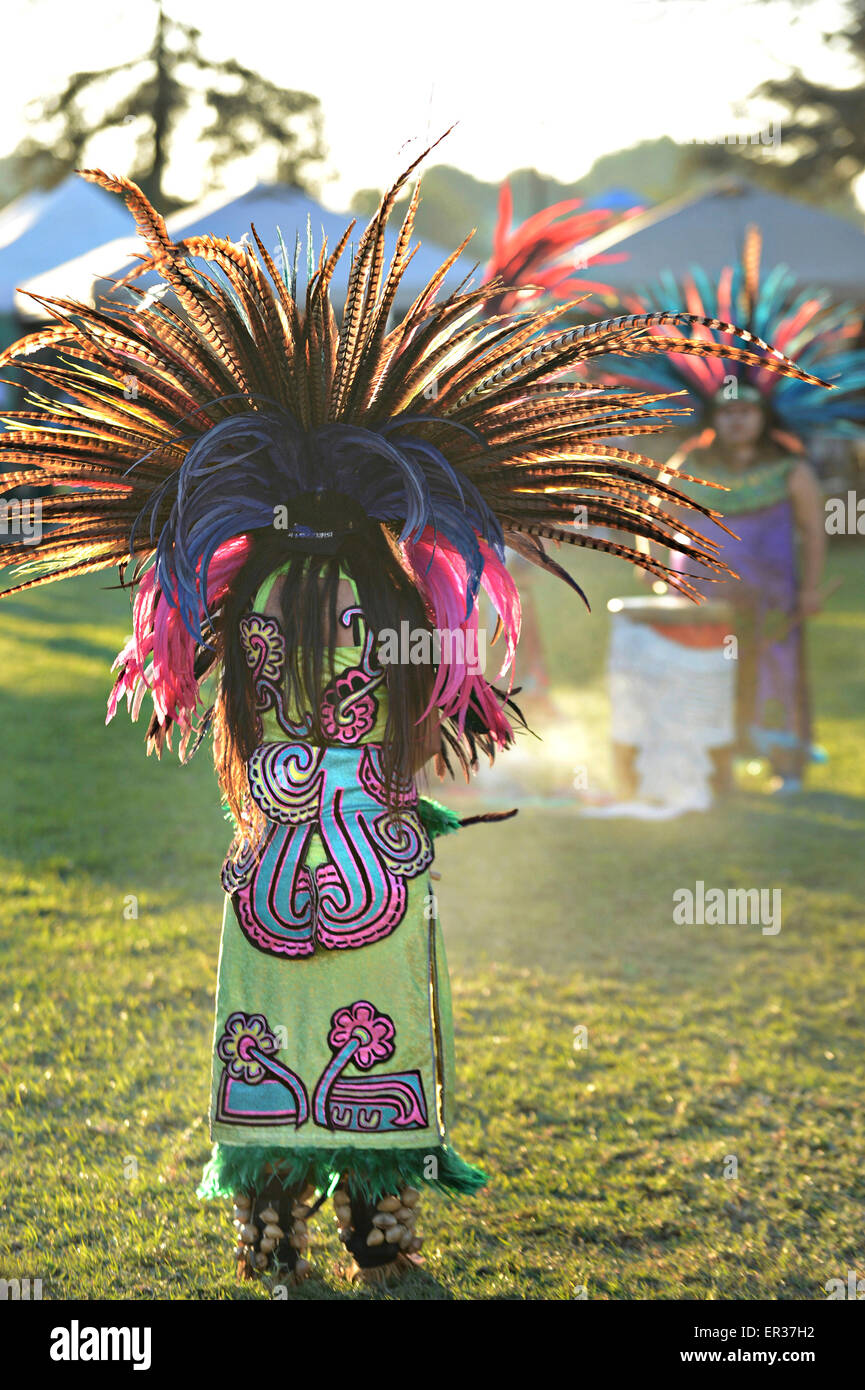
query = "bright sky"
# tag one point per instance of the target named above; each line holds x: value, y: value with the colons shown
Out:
x: 551, y: 84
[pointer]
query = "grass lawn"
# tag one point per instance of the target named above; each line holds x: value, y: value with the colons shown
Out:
x: 705, y: 1143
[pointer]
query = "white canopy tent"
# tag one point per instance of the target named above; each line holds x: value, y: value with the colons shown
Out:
x: 39, y: 228
x: 272, y: 208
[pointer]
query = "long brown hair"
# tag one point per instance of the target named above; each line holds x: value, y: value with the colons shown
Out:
x: 308, y: 619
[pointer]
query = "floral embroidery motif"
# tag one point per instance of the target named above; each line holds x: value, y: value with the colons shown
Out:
x: 257, y: 1089
x: 242, y: 1042
x: 363, y: 1037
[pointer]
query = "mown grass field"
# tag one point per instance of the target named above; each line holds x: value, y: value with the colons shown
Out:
x: 609, y: 1163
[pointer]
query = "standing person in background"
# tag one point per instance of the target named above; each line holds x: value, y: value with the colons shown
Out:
x: 774, y: 506
x: 753, y: 429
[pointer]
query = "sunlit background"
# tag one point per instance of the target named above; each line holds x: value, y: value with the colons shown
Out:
x: 552, y: 87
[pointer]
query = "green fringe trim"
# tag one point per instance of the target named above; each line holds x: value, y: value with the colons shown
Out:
x: 435, y: 818
x: 374, y: 1172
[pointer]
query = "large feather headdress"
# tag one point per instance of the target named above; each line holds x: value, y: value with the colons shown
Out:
x: 819, y: 334
x: 455, y: 431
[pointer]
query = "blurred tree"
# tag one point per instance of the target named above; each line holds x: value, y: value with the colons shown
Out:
x: 249, y: 112
x: 453, y: 201
x: 365, y: 201
x: 827, y: 124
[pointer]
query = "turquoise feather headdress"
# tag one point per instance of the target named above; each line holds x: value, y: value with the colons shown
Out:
x: 823, y: 337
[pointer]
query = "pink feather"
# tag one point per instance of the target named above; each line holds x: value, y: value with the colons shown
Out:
x: 159, y: 657
x: 442, y: 577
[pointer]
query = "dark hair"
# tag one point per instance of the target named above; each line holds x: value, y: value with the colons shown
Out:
x: 769, y: 448
x: 309, y: 621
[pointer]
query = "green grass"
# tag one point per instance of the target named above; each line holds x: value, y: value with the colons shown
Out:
x: 607, y: 1162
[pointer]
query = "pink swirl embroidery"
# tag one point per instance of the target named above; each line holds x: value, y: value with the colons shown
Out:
x: 348, y: 711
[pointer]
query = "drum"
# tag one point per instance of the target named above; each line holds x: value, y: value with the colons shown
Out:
x: 672, y: 681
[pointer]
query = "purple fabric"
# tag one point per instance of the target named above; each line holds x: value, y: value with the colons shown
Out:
x: 772, y: 677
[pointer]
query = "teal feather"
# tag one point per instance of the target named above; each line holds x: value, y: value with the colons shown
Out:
x: 282, y: 260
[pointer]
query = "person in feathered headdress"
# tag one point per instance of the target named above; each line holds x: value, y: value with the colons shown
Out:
x: 307, y: 512
x: 752, y: 431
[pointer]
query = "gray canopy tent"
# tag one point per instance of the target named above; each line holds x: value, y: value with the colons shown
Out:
x: 706, y: 228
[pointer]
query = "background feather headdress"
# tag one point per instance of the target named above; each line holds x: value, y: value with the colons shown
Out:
x: 820, y: 335
x: 542, y: 256
x: 183, y: 427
